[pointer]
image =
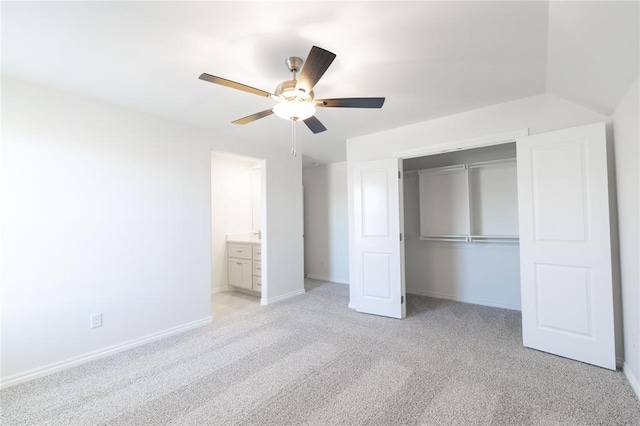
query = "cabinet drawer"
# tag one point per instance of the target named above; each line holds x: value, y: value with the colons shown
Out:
x: 241, y: 251
x: 257, y: 284
x: 257, y: 252
x: 257, y: 268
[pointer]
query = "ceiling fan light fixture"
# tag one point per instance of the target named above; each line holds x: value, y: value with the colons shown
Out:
x: 294, y: 110
x: 295, y: 98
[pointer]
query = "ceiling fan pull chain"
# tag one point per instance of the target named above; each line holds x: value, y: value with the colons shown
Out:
x: 294, y: 151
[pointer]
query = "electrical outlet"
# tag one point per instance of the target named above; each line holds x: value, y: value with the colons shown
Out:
x: 96, y: 320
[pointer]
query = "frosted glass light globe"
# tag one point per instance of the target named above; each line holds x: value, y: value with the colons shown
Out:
x: 294, y: 110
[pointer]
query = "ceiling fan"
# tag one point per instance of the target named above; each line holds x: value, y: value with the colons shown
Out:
x: 295, y: 98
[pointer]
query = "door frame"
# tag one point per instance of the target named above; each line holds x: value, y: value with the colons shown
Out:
x: 458, y: 145
x: 263, y: 218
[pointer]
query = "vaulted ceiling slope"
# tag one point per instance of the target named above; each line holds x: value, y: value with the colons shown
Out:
x: 429, y: 59
x: 593, y: 53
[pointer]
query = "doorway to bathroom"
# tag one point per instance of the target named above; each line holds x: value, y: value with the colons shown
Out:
x: 237, y: 215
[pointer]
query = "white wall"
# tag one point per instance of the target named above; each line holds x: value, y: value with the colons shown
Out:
x: 627, y: 156
x: 538, y: 113
x: 108, y: 210
x: 326, y: 243
x: 256, y: 197
x: 231, y: 210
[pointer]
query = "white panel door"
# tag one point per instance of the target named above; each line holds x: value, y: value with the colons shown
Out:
x: 377, y: 257
x: 565, y: 247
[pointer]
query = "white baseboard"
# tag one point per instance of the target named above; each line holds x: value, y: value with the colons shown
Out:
x: 271, y: 300
x: 351, y: 305
x: 215, y: 290
x: 244, y: 291
x: 34, y: 373
x: 633, y: 380
x: 464, y: 299
x: 324, y: 278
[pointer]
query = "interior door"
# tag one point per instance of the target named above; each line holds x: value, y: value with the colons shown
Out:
x: 565, y: 247
x: 378, y: 259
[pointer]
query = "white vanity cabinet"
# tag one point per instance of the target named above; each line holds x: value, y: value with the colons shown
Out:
x: 257, y: 268
x: 244, y: 268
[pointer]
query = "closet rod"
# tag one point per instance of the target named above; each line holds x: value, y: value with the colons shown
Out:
x: 494, y: 239
x: 455, y: 238
x: 473, y: 238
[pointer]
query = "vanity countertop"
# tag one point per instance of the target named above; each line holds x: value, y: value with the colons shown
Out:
x: 247, y: 239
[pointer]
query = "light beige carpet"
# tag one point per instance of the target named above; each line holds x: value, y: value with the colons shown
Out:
x: 311, y: 360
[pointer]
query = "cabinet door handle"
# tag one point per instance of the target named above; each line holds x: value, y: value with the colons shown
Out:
x: 238, y: 263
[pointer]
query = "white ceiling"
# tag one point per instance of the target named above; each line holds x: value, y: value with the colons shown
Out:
x: 429, y: 59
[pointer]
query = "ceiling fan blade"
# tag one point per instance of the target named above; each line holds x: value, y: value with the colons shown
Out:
x: 314, y: 124
x: 234, y: 85
x: 314, y: 67
x: 253, y: 117
x: 351, y: 103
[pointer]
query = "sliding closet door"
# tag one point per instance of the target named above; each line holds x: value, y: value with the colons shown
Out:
x: 565, y: 248
x: 377, y: 258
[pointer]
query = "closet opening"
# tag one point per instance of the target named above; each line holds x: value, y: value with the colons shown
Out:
x: 460, y: 212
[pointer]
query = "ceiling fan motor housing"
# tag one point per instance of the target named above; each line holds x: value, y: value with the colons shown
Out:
x: 289, y: 91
